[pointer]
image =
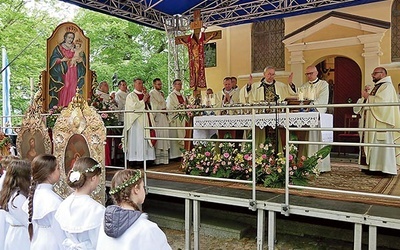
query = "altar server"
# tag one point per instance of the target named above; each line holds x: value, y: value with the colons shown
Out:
x: 126, y: 227
x: 12, y: 197
x: 79, y: 215
x: 42, y: 204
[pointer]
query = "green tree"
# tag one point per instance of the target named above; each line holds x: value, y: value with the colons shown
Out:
x: 116, y: 45
x: 125, y: 48
x: 23, y: 32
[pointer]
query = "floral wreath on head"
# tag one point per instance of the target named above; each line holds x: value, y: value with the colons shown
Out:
x: 137, y: 176
x: 76, y: 175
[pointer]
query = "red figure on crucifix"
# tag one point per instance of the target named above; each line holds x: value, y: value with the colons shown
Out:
x: 195, y: 44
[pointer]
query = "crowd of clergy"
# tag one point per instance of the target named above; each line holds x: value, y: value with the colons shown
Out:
x: 267, y: 90
x: 33, y: 216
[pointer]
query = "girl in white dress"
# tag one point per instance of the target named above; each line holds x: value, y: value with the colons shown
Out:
x: 79, y: 215
x: 43, y: 202
x: 12, y: 197
x: 126, y: 227
x: 5, y: 162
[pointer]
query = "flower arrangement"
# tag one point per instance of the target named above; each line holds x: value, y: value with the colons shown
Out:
x: 54, y: 113
x: 187, y: 114
x: 199, y: 160
x: 233, y: 163
x: 109, y: 119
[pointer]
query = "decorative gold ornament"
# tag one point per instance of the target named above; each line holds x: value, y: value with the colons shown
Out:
x: 79, y: 131
x: 33, y: 137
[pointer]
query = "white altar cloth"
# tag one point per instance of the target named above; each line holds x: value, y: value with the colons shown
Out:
x: 310, y: 119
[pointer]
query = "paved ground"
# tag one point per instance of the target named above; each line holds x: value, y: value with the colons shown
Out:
x: 285, y: 242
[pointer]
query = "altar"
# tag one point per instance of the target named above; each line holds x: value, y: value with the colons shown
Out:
x: 300, y: 119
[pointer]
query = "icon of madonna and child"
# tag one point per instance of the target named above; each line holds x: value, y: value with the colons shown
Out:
x: 67, y: 68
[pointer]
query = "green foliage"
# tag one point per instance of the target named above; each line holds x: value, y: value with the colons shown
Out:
x: 23, y: 32
x: 111, y: 41
x: 125, y: 48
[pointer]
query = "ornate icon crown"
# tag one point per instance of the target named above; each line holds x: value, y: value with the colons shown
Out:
x: 78, y: 41
x: 72, y: 29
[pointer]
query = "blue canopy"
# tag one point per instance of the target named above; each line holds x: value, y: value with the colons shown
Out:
x: 161, y: 13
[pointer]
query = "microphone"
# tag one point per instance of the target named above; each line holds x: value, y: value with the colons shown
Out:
x: 276, y: 97
x: 263, y: 83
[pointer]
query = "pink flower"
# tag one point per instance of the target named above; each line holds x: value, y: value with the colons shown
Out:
x: 104, y: 115
x: 207, y: 154
x: 290, y: 157
x: 247, y: 157
x: 226, y: 154
x: 264, y: 156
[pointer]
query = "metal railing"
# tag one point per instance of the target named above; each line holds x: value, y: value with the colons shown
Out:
x: 252, y: 202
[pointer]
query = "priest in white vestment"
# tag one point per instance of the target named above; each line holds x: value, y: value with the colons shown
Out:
x: 255, y: 93
x: 381, y: 159
x: 174, y: 100
x: 158, y: 102
x: 227, y: 95
x: 317, y: 90
x: 102, y: 91
x: 268, y: 90
x: 120, y: 98
x: 137, y: 148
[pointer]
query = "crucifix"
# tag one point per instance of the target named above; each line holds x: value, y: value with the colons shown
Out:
x: 195, y: 44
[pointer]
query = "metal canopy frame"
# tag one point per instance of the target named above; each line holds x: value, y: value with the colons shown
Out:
x: 222, y: 13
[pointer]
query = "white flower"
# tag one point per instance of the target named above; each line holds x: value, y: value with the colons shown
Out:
x: 74, y: 176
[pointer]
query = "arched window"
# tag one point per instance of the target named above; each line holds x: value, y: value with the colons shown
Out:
x: 395, y: 27
x: 267, y: 46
